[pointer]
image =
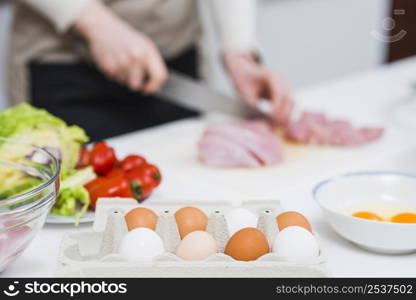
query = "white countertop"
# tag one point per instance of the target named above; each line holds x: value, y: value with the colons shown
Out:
x: 377, y: 91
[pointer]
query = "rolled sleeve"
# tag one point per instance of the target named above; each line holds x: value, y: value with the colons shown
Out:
x: 61, y: 13
x: 235, y: 21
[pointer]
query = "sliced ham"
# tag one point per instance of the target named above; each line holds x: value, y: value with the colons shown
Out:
x: 245, y: 144
x: 258, y: 126
x: 315, y: 128
x: 215, y: 150
x: 254, y: 143
x: 264, y: 146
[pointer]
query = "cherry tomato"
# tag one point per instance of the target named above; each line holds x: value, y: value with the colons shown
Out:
x: 153, y: 171
x: 91, y: 187
x: 84, y: 158
x: 94, y: 183
x: 131, y: 162
x: 109, y: 187
x: 102, y: 158
x: 115, y: 172
x: 141, y: 184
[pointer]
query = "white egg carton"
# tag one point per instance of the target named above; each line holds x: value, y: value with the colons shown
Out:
x: 94, y: 253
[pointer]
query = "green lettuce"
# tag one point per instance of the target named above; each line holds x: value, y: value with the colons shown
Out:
x: 40, y: 128
x: 72, y: 201
x: 78, y: 177
x: 20, y: 186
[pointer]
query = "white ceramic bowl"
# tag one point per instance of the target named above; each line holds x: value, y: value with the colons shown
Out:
x: 337, y: 194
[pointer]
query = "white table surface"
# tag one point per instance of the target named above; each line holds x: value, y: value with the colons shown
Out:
x: 377, y: 91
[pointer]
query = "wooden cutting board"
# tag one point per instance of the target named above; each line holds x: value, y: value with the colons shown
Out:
x: 173, y: 148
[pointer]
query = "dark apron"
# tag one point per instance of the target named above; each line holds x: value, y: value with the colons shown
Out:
x: 82, y: 95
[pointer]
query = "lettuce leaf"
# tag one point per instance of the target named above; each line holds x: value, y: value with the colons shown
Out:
x: 40, y: 128
x: 72, y: 201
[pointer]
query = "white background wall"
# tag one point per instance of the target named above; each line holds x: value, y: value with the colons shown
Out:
x: 309, y: 41
x: 314, y: 40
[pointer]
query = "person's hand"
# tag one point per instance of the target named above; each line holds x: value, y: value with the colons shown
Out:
x: 253, y: 82
x: 120, y: 51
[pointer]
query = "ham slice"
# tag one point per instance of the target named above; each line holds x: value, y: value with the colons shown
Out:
x: 254, y: 143
x: 315, y: 128
x: 245, y: 144
x: 215, y: 150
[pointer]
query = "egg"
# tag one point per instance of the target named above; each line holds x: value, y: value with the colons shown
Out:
x: 247, y: 244
x: 292, y: 218
x: 141, y: 245
x: 404, y: 218
x: 295, y: 243
x: 239, y: 218
x: 141, y: 217
x: 367, y: 215
x: 197, y: 245
x: 190, y: 219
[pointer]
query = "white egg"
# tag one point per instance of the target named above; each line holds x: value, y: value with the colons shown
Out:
x: 239, y: 218
x: 141, y: 244
x: 295, y: 243
x: 197, y: 245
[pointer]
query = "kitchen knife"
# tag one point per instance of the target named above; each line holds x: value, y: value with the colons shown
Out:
x: 190, y: 93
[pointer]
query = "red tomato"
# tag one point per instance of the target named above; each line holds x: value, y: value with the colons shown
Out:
x: 141, y: 184
x: 131, y: 162
x: 108, y: 187
x: 84, y: 158
x: 115, y: 172
x: 94, y: 183
x: 102, y: 158
x: 153, y: 171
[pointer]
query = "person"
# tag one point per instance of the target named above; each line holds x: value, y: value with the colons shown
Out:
x: 98, y: 63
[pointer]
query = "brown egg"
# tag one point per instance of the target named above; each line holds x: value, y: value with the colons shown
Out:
x: 292, y: 218
x: 247, y: 244
x: 141, y: 217
x: 190, y: 219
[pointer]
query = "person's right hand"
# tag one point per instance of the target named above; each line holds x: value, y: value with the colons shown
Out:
x: 254, y: 82
x: 120, y: 51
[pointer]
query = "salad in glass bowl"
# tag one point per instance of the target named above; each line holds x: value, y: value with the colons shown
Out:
x: 39, y: 128
x: 28, y: 191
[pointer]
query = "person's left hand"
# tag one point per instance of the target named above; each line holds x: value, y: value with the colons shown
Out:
x: 254, y: 82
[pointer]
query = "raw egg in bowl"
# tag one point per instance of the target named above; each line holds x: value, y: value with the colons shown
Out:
x: 374, y: 210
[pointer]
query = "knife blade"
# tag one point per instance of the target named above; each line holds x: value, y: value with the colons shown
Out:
x: 190, y: 93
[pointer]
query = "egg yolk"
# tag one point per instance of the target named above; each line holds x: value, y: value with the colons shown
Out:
x: 367, y: 215
x: 404, y: 218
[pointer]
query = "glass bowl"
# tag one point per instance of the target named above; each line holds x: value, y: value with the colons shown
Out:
x: 29, y: 185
